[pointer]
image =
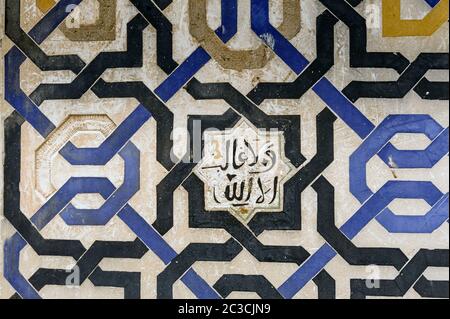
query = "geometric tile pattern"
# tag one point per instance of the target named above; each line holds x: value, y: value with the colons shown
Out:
x: 322, y: 126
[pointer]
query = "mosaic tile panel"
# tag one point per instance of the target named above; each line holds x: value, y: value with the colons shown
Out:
x: 224, y: 149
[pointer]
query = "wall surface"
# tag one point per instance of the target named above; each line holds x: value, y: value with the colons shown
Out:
x: 224, y: 149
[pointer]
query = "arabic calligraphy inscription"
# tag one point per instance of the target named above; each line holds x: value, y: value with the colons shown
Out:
x: 244, y: 169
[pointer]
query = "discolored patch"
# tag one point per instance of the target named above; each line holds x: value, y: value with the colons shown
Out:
x: 45, y: 5
x: 104, y: 29
x: 395, y: 26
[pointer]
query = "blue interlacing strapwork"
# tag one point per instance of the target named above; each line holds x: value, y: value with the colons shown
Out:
x: 375, y: 142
